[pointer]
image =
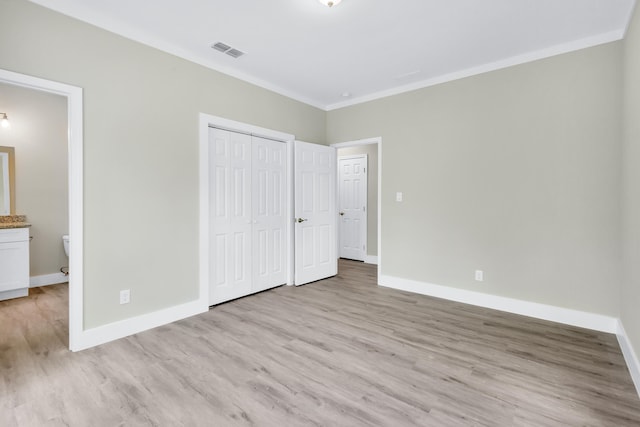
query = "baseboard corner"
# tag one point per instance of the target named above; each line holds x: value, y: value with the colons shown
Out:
x: 630, y: 357
x: 47, y: 279
x: 124, y: 328
x: 371, y: 259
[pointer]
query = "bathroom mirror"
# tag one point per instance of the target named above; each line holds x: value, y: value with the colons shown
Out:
x: 7, y: 181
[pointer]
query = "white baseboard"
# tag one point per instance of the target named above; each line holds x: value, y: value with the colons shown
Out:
x: 629, y: 356
x: 47, y: 279
x: 567, y: 316
x: 371, y: 259
x: 15, y: 293
x: 113, y: 331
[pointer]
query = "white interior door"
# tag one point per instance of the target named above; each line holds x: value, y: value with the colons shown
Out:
x: 352, y: 199
x: 230, y: 215
x: 315, y: 212
x: 269, y: 216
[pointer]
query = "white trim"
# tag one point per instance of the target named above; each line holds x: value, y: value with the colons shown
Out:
x: 47, y: 279
x: 136, y: 34
x: 629, y: 356
x: 567, y: 316
x: 291, y: 250
x: 206, y: 121
x: 485, y: 68
x: 368, y: 141
x: 371, y: 259
x: 203, y: 234
x: 234, y: 126
x: 629, y: 19
x: 14, y: 293
x: 358, y: 142
x: 134, y: 325
x: 76, y: 203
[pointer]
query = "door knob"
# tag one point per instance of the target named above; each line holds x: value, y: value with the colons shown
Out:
x: 341, y: 213
x: 301, y: 219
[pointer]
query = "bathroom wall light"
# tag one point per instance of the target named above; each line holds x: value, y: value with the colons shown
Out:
x: 4, y: 122
x: 330, y: 3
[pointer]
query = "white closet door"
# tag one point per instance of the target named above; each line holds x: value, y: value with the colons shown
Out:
x: 269, y: 204
x: 230, y: 215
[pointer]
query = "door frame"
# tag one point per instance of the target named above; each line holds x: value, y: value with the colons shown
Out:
x: 206, y: 121
x: 78, y: 337
x: 369, y: 141
x: 365, y: 222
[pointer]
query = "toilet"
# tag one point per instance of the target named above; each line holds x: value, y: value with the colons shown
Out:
x: 65, y: 243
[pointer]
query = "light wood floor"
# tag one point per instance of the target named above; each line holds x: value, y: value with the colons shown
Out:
x: 341, y: 352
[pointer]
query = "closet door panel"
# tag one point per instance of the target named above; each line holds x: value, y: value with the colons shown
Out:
x: 269, y: 169
x: 230, y: 215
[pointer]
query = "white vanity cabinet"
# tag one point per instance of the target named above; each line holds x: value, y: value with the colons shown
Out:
x: 14, y: 262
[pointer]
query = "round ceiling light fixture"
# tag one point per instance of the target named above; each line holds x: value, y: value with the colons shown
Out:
x: 330, y: 3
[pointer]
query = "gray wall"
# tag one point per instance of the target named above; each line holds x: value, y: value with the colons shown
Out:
x: 631, y: 184
x: 140, y: 150
x: 371, y: 151
x: 515, y: 172
x: 39, y: 134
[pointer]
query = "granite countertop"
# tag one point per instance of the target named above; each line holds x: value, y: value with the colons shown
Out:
x: 14, y: 221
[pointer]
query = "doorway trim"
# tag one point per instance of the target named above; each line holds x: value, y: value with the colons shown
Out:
x: 369, y: 141
x: 207, y: 121
x: 73, y: 95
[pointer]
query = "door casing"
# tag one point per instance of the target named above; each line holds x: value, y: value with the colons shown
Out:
x: 207, y: 121
x: 79, y: 338
x: 368, y: 141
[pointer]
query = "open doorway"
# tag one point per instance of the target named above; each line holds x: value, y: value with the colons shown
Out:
x: 362, y: 157
x: 70, y: 154
x: 37, y: 136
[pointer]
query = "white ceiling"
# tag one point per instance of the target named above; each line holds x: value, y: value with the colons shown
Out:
x: 368, y: 48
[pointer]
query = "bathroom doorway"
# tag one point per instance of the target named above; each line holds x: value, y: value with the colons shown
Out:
x: 37, y: 136
x: 50, y: 247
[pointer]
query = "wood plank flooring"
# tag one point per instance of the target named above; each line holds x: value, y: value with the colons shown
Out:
x: 340, y: 352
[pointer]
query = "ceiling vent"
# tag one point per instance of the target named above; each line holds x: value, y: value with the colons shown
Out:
x: 235, y: 53
x: 221, y: 47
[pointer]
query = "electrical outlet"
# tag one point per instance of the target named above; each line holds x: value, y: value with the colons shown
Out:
x: 125, y: 296
x: 398, y: 196
x: 479, y: 275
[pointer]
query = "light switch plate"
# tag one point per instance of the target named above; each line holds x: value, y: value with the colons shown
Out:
x: 398, y: 196
x: 125, y: 296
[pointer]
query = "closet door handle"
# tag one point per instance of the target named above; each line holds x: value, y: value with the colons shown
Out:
x: 301, y: 220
